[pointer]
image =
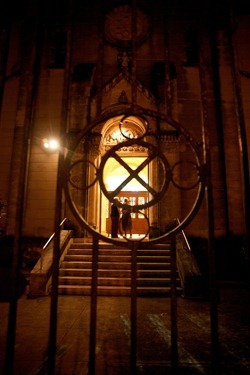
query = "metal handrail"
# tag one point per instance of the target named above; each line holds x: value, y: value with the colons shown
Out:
x: 49, y: 241
x: 53, y: 235
x: 187, y: 266
x: 184, y: 237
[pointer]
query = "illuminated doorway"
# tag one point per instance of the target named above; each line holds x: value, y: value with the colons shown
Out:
x: 137, y: 194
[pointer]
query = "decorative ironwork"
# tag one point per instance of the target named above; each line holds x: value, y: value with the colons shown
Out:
x: 75, y: 178
x: 83, y: 174
x: 129, y: 135
x: 153, y: 152
x: 194, y: 178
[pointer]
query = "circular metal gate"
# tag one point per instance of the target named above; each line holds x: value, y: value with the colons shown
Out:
x: 82, y: 174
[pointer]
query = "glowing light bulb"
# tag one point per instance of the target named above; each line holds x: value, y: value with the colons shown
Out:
x: 51, y: 144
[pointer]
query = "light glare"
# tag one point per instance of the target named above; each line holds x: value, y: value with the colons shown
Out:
x: 50, y: 144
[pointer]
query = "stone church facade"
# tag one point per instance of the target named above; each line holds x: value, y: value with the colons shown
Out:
x: 179, y: 70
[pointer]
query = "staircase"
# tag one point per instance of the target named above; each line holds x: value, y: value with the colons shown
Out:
x: 114, y: 271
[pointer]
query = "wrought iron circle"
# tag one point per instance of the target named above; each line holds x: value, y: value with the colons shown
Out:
x: 195, y: 183
x: 142, y: 113
x: 153, y: 152
x: 73, y: 179
x: 146, y: 125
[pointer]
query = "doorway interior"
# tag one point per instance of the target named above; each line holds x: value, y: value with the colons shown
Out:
x: 114, y: 175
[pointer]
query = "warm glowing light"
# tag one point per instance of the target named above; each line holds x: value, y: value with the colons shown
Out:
x: 51, y: 144
x: 115, y: 174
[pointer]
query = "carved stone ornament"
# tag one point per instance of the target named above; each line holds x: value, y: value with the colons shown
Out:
x: 118, y: 26
x: 117, y: 137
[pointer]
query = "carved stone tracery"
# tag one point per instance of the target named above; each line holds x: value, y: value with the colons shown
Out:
x: 118, y: 25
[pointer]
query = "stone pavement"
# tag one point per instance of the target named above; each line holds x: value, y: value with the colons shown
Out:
x: 113, y: 335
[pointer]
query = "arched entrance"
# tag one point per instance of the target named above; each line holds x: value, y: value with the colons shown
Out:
x: 114, y: 173
x: 132, y: 145
x: 133, y: 191
x: 136, y: 153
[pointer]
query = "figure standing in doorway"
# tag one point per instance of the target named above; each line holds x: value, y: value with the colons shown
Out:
x: 126, y: 218
x: 115, y: 215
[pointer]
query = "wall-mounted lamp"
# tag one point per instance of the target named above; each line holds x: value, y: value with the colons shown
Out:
x: 51, y: 144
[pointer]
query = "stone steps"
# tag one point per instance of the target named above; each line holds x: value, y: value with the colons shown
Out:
x: 114, y: 271
x: 115, y: 291
x: 113, y: 281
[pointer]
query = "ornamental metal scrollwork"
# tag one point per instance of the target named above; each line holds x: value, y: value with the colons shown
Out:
x: 84, y: 178
x: 153, y: 152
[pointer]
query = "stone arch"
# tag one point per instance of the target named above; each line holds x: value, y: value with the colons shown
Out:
x: 112, y: 134
x: 134, y: 127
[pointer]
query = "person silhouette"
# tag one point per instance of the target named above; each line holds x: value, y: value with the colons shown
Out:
x: 115, y: 215
x: 126, y: 218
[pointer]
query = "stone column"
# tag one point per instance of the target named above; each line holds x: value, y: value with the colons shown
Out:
x: 93, y: 193
x: 153, y: 180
